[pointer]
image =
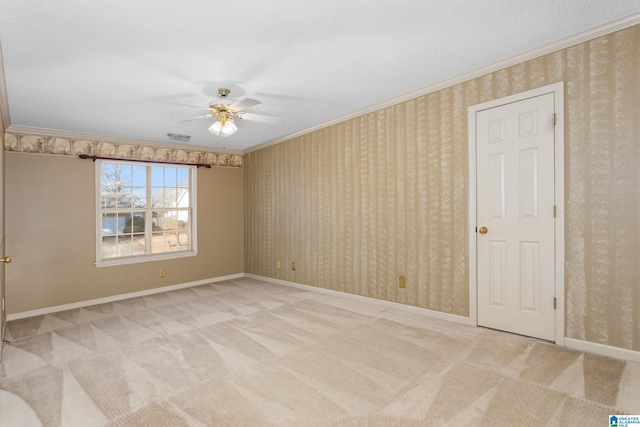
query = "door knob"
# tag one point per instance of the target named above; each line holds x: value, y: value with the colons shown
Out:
x: 483, y: 230
x: 6, y: 259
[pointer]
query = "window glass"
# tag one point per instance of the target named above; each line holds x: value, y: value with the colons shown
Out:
x: 145, y: 211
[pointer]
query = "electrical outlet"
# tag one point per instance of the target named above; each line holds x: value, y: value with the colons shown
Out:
x: 402, y: 282
x: 278, y: 264
x: 163, y: 272
x: 293, y: 265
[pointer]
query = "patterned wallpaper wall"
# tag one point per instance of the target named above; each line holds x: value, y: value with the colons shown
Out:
x: 40, y: 144
x: 356, y: 204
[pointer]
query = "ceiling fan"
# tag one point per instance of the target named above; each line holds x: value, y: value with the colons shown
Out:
x: 226, y: 114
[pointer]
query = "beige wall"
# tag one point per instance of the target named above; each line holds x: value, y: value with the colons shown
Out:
x: 358, y: 203
x: 3, y: 312
x: 50, y: 217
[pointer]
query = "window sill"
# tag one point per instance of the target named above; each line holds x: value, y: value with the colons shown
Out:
x: 145, y: 258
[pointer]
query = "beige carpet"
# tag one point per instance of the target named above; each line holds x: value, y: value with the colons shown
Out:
x: 247, y: 353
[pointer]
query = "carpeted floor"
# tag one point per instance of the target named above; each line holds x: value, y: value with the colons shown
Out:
x: 248, y: 353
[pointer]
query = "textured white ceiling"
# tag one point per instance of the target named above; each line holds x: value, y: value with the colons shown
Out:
x: 108, y: 67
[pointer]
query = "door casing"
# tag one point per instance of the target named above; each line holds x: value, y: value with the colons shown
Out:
x: 558, y: 90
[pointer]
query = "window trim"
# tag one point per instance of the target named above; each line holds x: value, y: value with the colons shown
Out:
x: 99, y: 262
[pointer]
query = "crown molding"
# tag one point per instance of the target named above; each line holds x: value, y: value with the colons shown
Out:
x: 581, y: 37
x: 26, y: 130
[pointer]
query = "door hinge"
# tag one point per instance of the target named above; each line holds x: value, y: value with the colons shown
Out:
x: 554, y: 303
x: 555, y: 210
x: 553, y: 119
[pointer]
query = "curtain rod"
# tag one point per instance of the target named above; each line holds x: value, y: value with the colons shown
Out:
x: 94, y: 158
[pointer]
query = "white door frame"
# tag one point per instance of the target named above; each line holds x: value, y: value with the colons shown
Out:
x: 558, y: 90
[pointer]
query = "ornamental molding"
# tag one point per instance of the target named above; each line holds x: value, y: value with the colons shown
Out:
x: 55, y: 145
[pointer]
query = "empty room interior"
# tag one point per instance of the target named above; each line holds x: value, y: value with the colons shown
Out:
x: 322, y: 214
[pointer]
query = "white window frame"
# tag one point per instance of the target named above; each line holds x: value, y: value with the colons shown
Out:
x: 145, y: 257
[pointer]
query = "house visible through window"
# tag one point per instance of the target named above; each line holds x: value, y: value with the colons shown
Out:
x: 145, y: 211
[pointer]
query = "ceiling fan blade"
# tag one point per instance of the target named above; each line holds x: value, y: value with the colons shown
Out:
x: 204, y: 116
x: 278, y: 121
x: 199, y: 107
x: 243, y: 104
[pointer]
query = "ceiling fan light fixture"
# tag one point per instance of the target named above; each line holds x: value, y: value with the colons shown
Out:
x: 223, y: 127
x: 226, y: 113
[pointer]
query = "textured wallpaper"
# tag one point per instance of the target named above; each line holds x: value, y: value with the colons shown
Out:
x: 359, y: 203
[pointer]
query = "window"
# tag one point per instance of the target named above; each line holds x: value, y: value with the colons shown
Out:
x: 145, y: 212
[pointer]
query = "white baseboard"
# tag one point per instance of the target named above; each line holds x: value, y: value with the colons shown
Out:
x: 368, y: 300
x: 114, y: 298
x: 603, y: 350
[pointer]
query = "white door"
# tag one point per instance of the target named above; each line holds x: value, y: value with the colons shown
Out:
x: 515, y: 217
